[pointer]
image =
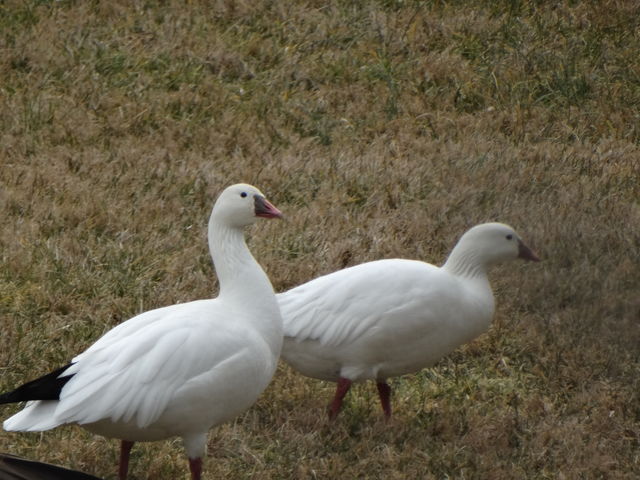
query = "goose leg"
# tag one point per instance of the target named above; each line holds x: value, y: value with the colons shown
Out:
x: 384, y: 390
x: 341, y: 390
x: 125, y: 450
x: 195, y: 465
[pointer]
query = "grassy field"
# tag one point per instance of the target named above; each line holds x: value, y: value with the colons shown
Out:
x: 381, y: 129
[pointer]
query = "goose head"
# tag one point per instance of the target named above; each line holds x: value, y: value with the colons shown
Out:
x: 240, y: 205
x: 495, y: 243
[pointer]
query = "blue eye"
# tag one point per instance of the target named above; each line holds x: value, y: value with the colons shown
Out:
x: 243, y: 194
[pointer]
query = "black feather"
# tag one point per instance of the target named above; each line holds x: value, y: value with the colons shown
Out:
x: 47, y: 387
x: 16, y: 468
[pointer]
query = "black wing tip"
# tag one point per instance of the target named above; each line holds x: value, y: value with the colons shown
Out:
x: 47, y: 387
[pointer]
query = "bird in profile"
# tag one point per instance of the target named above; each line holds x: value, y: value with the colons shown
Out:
x: 177, y: 370
x: 387, y: 318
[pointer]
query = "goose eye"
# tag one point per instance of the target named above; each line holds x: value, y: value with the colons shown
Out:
x: 509, y: 237
x: 243, y: 194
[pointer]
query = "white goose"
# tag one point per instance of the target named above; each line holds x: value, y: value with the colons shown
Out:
x: 177, y: 370
x: 387, y: 318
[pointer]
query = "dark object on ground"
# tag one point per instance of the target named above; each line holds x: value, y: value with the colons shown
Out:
x: 17, y: 468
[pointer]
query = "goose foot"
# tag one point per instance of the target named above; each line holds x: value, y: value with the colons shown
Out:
x: 384, y: 390
x: 195, y: 465
x: 125, y: 450
x: 341, y: 390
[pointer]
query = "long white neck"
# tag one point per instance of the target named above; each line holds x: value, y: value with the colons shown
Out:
x: 466, y: 261
x: 243, y: 284
x: 240, y: 276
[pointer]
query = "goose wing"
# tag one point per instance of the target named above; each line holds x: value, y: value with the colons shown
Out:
x: 135, y: 370
x: 341, y: 307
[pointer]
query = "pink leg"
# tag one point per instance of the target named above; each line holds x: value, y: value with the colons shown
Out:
x: 341, y: 390
x: 384, y: 390
x: 195, y: 465
x: 125, y: 450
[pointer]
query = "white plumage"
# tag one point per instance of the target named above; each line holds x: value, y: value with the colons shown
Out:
x: 387, y: 318
x: 181, y: 369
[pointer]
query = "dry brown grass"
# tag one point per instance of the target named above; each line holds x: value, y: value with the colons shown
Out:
x: 382, y: 129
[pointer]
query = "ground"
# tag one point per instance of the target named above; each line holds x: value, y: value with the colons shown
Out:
x: 381, y: 129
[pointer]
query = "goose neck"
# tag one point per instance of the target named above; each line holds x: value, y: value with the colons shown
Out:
x: 238, y: 272
x: 466, y: 262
